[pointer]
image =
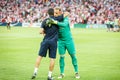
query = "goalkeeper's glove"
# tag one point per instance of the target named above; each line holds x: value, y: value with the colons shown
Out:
x: 48, y: 22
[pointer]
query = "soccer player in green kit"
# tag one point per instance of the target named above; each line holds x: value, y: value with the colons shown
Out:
x: 65, y: 42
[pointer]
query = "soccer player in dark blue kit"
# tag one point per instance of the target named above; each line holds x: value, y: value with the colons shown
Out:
x: 49, y: 43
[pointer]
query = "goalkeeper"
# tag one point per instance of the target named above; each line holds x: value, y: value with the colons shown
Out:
x: 65, y: 42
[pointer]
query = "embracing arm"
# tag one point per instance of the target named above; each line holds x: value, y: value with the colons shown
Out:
x: 61, y: 17
x: 65, y: 22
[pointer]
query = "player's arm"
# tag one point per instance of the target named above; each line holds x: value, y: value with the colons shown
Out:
x: 64, y: 23
x: 42, y: 31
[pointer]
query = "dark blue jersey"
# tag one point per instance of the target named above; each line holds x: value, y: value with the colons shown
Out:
x: 51, y: 32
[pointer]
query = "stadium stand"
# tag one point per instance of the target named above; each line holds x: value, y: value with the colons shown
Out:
x: 82, y: 11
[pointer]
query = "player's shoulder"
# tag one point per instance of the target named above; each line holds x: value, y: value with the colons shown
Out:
x: 44, y: 21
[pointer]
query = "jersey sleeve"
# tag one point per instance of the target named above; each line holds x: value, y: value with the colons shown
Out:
x: 64, y: 23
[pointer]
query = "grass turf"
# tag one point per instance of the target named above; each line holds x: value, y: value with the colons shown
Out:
x: 98, y: 54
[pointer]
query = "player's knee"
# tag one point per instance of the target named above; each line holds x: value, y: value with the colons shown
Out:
x: 62, y: 60
x: 62, y: 56
x: 52, y: 60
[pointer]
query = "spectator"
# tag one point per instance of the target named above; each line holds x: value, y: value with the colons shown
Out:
x: 83, y: 11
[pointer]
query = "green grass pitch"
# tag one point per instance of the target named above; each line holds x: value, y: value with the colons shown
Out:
x: 98, y: 54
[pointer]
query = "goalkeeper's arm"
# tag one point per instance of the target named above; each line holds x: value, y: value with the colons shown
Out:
x: 65, y: 22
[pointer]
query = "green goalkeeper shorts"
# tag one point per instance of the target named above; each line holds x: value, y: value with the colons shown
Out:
x: 66, y: 45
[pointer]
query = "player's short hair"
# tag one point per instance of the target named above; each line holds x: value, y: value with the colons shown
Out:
x: 51, y: 11
x: 68, y: 9
x: 58, y: 8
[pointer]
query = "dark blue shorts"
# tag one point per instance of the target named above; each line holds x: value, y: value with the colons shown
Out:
x: 50, y: 46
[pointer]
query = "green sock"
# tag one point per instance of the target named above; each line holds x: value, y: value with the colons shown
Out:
x: 74, y: 62
x: 62, y: 64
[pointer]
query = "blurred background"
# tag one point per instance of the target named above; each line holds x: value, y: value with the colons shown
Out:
x: 28, y: 12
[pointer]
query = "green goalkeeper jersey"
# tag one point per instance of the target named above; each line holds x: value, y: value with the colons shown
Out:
x: 64, y: 30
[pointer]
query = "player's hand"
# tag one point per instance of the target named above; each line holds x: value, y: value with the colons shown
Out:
x: 48, y: 22
x: 41, y: 31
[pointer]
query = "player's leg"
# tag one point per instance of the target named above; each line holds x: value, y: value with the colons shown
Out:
x: 117, y: 28
x: 51, y: 68
x: 108, y: 27
x: 38, y: 60
x: 71, y: 50
x: 61, y: 49
x: 75, y: 65
x: 61, y: 65
x: 52, y: 56
x: 111, y: 27
x: 74, y: 62
x: 9, y: 25
x: 42, y: 53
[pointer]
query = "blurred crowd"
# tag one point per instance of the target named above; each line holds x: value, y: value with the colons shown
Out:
x: 82, y: 11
